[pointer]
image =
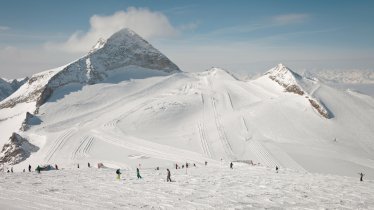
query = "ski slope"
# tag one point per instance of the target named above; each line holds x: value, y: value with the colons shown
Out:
x: 193, y: 117
x: 203, y: 187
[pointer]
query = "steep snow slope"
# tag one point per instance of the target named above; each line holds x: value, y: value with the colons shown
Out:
x: 244, y: 187
x: 123, y: 56
x: 158, y: 121
x: 7, y: 87
x: 122, y: 51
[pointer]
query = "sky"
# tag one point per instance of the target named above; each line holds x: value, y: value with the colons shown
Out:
x: 241, y: 36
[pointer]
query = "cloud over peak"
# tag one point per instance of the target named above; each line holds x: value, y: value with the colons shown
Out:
x: 148, y: 24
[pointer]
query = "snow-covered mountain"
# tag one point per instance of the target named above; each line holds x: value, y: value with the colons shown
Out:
x: 91, y: 110
x: 112, y: 58
x: 7, y: 87
x: 345, y: 76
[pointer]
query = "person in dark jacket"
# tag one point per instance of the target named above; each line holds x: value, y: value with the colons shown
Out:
x: 361, y: 176
x: 56, y: 166
x: 29, y: 168
x: 118, y: 172
x: 168, y: 178
x: 89, y: 165
x: 231, y: 165
x: 138, y: 173
x: 276, y: 169
x: 38, y: 169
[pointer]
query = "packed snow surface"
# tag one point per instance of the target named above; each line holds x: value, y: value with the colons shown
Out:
x: 203, y: 187
x: 210, y: 115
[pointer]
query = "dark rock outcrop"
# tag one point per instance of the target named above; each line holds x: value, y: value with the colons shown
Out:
x: 16, y: 150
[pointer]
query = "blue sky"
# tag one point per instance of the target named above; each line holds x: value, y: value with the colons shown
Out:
x: 241, y: 36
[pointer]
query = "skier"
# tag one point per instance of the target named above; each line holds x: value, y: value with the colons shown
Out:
x: 182, y: 166
x: 38, y: 169
x: 56, y: 166
x: 168, y: 179
x: 361, y: 176
x: 186, y: 165
x: 29, y: 168
x: 78, y: 165
x: 206, y: 163
x: 194, y: 165
x: 176, y: 166
x: 276, y: 168
x: 11, y: 169
x: 231, y: 165
x: 138, y: 173
x: 89, y: 165
x: 118, y: 172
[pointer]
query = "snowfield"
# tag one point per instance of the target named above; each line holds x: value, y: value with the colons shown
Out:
x: 211, y: 187
x: 125, y: 104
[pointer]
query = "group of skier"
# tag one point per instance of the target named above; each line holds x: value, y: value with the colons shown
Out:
x: 168, y: 177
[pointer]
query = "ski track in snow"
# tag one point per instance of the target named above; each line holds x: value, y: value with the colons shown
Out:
x: 84, y: 147
x: 244, y: 187
x: 149, y: 148
x: 59, y: 144
x: 221, y: 132
x: 262, y: 154
x: 203, y: 138
x: 229, y: 96
x: 113, y: 123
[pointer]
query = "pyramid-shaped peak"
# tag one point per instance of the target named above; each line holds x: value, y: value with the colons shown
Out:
x: 282, y: 70
x: 126, y: 36
x: 127, y: 48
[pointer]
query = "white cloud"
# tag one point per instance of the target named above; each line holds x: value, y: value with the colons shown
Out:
x: 4, y: 28
x: 290, y: 19
x: 148, y: 24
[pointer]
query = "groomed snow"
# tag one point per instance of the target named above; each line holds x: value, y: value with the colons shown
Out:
x: 198, y: 116
x: 211, y: 187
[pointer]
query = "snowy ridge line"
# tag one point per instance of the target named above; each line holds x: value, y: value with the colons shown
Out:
x: 221, y: 132
x: 59, y: 143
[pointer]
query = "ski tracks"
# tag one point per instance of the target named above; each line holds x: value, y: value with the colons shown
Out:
x: 113, y: 123
x: 203, y: 138
x: 229, y: 97
x: 264, y: 157
x: 221, y: 132
x: 59, y: 143
x: 84, y: 147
